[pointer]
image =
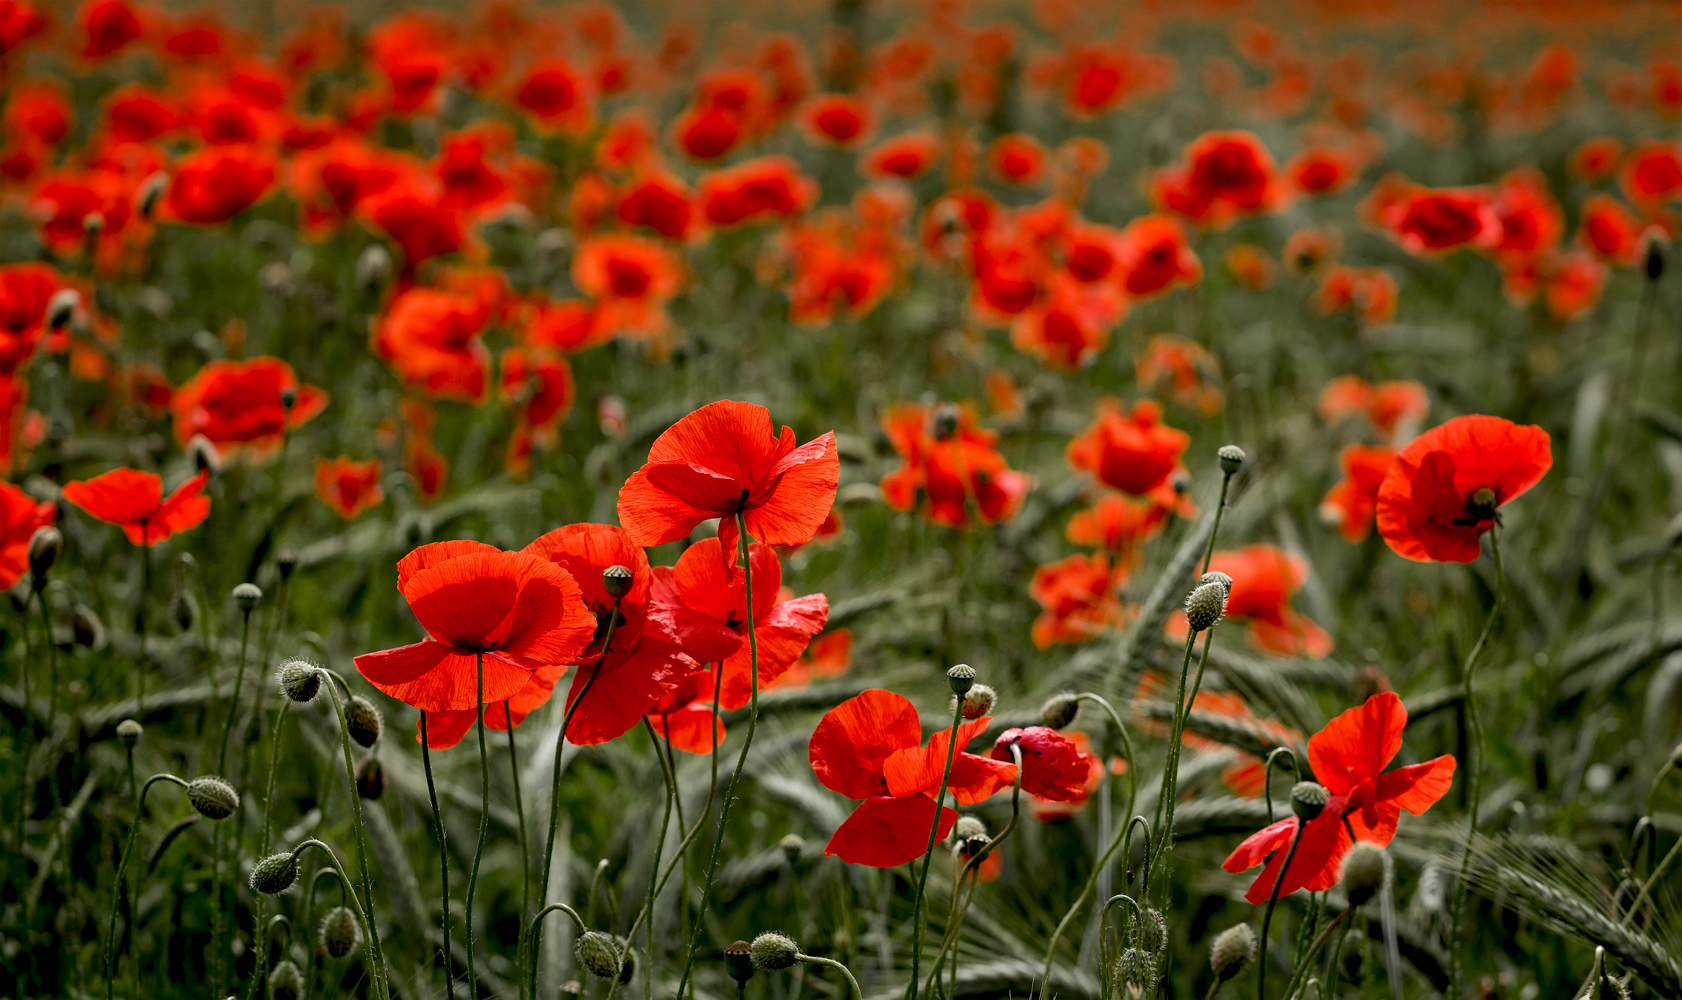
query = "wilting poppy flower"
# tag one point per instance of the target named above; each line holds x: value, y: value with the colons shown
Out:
x: 213, y: 185
x: 836, y: 120
x: 631, y: 278
x: 108, y: 26
x: 869, y: 747
x: 25, y: 292
x: 1152, y: 257
x: 768, y: 188
x: 1224, y: 175
x: 1653, y: 173
x: 905, y: 156
x: 954, y: 468
x: 1322, y: 171
x: 1053, y: 765
x: 1191, y: 372
x: 1134, y: 452
x: 662, y: 203
x: 1263, y: 579
x: 1017, y: 158
x: 348, y: 487
x: 520, y: 612
x: 1394, y: 408
x: 1077, y: 599
x: 1348, y: 757
x: 557, y: 96
x: 431, y: 339
x: 1594, y: 159
x: 1445, y: 489
x: 1610, y: 230
x: 1353, y: 502
x: 135, y: 500
x: 1437, y: 221
x: 20, y: 516
x: 704, y: 591
x: 241, y: 404
x: 723, y: 460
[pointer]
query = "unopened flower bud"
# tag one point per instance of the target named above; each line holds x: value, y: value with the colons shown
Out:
x: 212, y: 797
x: 1655, y: 260
x: 285, y: 562
x: 275, y: 873
x: 1365, y: 870
x: 792, y: 845
x: 288, y: 397
x: 1232, y: 458
x: 246, y: 595
x: 61, y: 308
x: 738, y: 962
x: 961, y: 678
x: 129, y: 732
x: 1233, y: 951
x: 1205, y: 605
x: 1308, y: 799
x: 370, y: 779
x: 44, y: 549
x: 362, y: 720
x: 183, y: 610
x: 1153, y: 931
x: 1136, y: 968
x: 1059, y: 710
x: 1216, y: 576
x: 373, y: 266
x: 598, y: 952
x: 340, y: 932
x: 968, y: 828
x: 616, y: 580
x: 86, y: 629
x: 150, y: 191
x: 773, y: 951
x: 285, y: 981
x: 944, y: 423
x: 979, y: 700
x: 300, y: 680
x: 204, y: 454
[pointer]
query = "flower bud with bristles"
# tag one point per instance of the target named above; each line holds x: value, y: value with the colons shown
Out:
x: 773, y: 951
x: 961, y: 678
x: 1152, y: 933
x: 340, y: 932
x: 1233, y: 951
x: 1216, y: 576
x: 1060, y: 710
x: 362, y: 720
x: 1137, y: 968
x: 978, y: 701
x: 1232, y: 458
x: 45, y: 546
x: 246, y: 595
x: 129, y: 732
x: 1308, y: 799
x: 738, y: 962
x: 300, y: 680
x: 792, y: 846
x: 61, y: 308
x: 285, y: 981
x: 1205, y: 605
x: 599, y: 952
x: 968, y: 828
x: 212, y: 797
x: 617, y: 580
x: 1365, y: 870
x: 275, y: 873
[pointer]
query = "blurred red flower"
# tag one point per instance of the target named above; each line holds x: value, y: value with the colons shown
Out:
x: 1119, y: 524
x: 240, y: 405
x: 1017, y: 158
x: 1393, y: 408
x: 348, y: 487
x: 1153, y: 257
x: 108, y: 26
x: 1224, y: 175
x: 1652, y: 173
x: 135, y: 500
x: 20, y: 516
x: 1263, y: 579
x: 1077, y: 599
x: 19, y: 22
x: 1134, y: 452
x: 660, y: 202
x: 954, y: 472
x: 631, y: 278
x: 213, y: 185
x: 840, y: 120
x: 768, y: 188
x: 1323, y: 171
x: 1610, y: 230
x: 431, y: 339
x: 1192, y: 374
x: 1437, y: 221
x: 904, y: 156
x: 557, y: 96
x: 25, y: 292
x: 1368, y: 291
x: 1054, y: 766
x: 414, y: 212
x: 136, y: 113
x: 39, y: 110
x: 1353, y: 502
x: 1594, y: 159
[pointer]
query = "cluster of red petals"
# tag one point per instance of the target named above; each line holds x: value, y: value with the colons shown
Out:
x: 1190, y: 372
x: 216, y: 183
x: 1077, y: 598
x: 26, y: 290
x: 1352, y: 504
x: 1429, y: 221
x: 1263, y: 579
x: 240, y: 405
x: 21, y: 515
x: 135, y: 501
x: 1054, y: 766
x: 869, y: 747
x: 348, y: 487
x: 1394, y: 409
x: 1223, y: 176
x: 431, y: 338
x: 1369, y: 292
x: 1132, y: 451
x: 960, y: 478
x: 1119, y: 524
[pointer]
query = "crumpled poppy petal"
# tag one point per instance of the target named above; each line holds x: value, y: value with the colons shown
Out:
x: 185, y: 508
x: 887, y: 831
x: 692, y: 728
x: 654, y: 515
x: 850, y: 743
x: 732, y: 438
x: 433, y: 553
x: 806, y: 614
x: 445, y: 729
x: 1358, y: 744
x: 1417, y: 787
x: 778, y: 649
x: 802, y: 499
x: 403, y: 664
x: 625, y: 686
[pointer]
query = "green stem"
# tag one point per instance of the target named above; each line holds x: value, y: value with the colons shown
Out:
x: 1267, y: 915
x: 833, y: 964
x: 972, y: 868
x: 381, y: 983
x: 122, y: 866
x: 1215, y: 530
x: 1307, y: 961
x: 928, y: 853
x: 654, y: 866
x: 1473, y: 781
x: 233, y: 707
x: 1170, y: 768
x: 1126, y: 745
x: 519, y: 813
x: 484, y: 822
x: 1171, y: 777
x: 443, y: 853
x: 52, y: 659
x: 1121, y: 837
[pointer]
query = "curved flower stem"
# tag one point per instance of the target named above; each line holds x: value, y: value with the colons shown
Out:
x: 833, y: 964
x: 484, y: 824
x: 1267, y: 915
x: 1126, y: 745
x: 1474, y: 782
x: 741, y: 759
x: 1267, y: 777
x: 378, y: 953
x: 233, y: 706
x: 670, y: 781
x: 1103, y: 920
x: 1307, y: 960
x: 1121, y: 837
x: 972, y: 869
x: 443, y: 853
x: 122, y: 866
x: 928, y: 853
x: 519, y: 813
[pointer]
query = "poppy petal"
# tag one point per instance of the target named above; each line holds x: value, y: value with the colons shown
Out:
x: 692, y: 728
x: 654, y: 512
x: 622, y: 687
x: 185, y: 508
x: 121, y: 496
x: 778, y: 649
x: 1417, y: 787
x: 887, y: 831
x: 915, y: 770
x: 853, y: 739
x: 806, y: 614
x: 803, y: 497
x: 735, y: 439
x: 1257, y: 846
x: 445, y: 729
x: 1357, y: 745
x: 403, y: 664
x: 432, y: 554
x: 548, y: 622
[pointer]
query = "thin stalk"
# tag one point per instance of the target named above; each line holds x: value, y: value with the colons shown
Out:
x: 1215, y: 530
x: 1267, y: 915
x: 122, y: 866
x: 928, y: 853
x: 1121, y: 837
x: 1170, y: 768
x: 378, y: 953
x: 484, y: 823
x: 52, y: 659
x: 443, y: 852
x: 972, y: 869
x: 856, y: 994
x: 1126, y: 745
x: 654, y: 866
x: 519, y: 813
x: 233, y: 707
x: 1307, y: 961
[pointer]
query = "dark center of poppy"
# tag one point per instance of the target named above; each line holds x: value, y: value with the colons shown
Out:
x: 1480, y: 506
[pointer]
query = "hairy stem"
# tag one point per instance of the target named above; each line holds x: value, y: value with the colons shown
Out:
x: 928, y: 853
x: 443, y: 853
x: 1474, y: 783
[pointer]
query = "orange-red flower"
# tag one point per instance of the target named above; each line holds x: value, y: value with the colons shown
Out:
x: 25, y: 292
x: 1119, y: 524
x: 1445, y: 489
x: 829, y: 655
x: 1323, y: 171
x: 687, y: 718
x: 541, y: 385
x: 1225, y: 175
x: 905, y: 156
x: 662, y: 203
x: 557, y: 96
x: 768, y: 188
x: 1610, y: 230
x: 135, y: 500
x: 1594, y: 159
x: 348, y: 487
x: 240, y: 405
x: 431, y: 339
x: 1250, y: 265
x: 1192, y: 373
x: 1077, y: 599
x: 1152, y: 257
x: 1437, y: 221
x: 214, y: 184
x: 954, y: 472
x: 1353, y: 502
x: 1393, y: 408
x: 107, y: 26
x: 1017, y: 158
x: 837, y: 120
x: 1054, y: 766
x: 1134, y: 452
x: 1531, y: 220
x: 1263, y: 579
x: 40, y: 111
x: 415, y: 212
x: 1652, y: 173
x: 1370, y: 291
x: 631, y: 279
x: 869, y: 747
x: 20, y: 516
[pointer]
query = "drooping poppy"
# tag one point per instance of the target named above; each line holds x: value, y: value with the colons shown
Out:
x: 348, y: 487
x: 1077, y: 599
x: 1353, y: 502
x: 214, y: 184
x: 957, y: 469
x: 20, y: 516
x: 519, y: 612
x: 1348, y: 757
x: 1445, y: 489
x: 869, y: 747
x: 1054, y: 766
x: 1132, y: 451
x: 241, y: 406
x: 135, y: 500
x: 723, y: 460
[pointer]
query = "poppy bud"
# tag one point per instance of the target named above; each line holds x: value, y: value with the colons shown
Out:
x: 300, y: 680
x: 628, y: 971
x: 616, y: 580
x: 1655, y: 260
x: 44, y: 549
x: 1308, y: 799
x: 204, y: 454
x: 285, y: 563
x: 212, y: 797
x: 246, y: 595
x: 1205, y: 605
x: 93, y: 224
x: 151, y: 189
x: 370, y: 779
x: 62, y: 307
x: 288, y: 397
x: 773, y: 951
x: 1153, y: 931
x: 1059, y: 710
x: 1232, y: 458
x: 738, y: 961
x: 968, y: 828
x: 1365, y: 870
x: 183, y: 610
x: 275, y: 873
x: 599, y: 953
x: 1216, y: 576
x: 285, y: 981
x: 86, y: 630
x: 1137, y: 968
x: 979, y: 700
x: 373, y: 267
x: 961, y: 678
x: 1233, y: 951
x: 362, y: 720
x: 339, y: 931
x: 129, y: 732
x: 944, y: 423
x: 792, y: 846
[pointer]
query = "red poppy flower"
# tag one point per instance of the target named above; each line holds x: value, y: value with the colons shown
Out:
x: 1348, y: 757
x: 1574, y: 282
x: 135, y: 500
x: 1263, y: 579
x: 1152, y: 257
x: 837, y: 120
x: 831, y: 273
x: 20, y: 516
x: 471, y: 184
x: 829, y: 655
x: 1531, y: 220
x: 445, y: 729
x: 1653, y: 173
x: 570, y: 326
x: 19, y: 21
x: 213, y: 185
x: 707, y: 133
x: 1394, y: 408
x: 1133, y: 452
x: 722, y: 460
x: 25, y: 292
x: 541, y: 385
x: 238, y: 404
x: 1369, y: 291
x: 1444, y: 490
x: 705, y: 591
x: 1224, y: 175
x: 348, y: 487
x: 1250, y: 266
x: 414, y: 212
x: 1594, y: 159
x: 1437, y: 221
x: 1119, y: 524
x: 1054, y: 766
x: 1322, y: 171
x: 954, y: 474
x: 136, y: 113
x: 1610, y: 230
x: 431, y: 339
x: 108, y: 27
x: 662, y: 203
x: 1077, y: 599
x: 686, y: 717
x: 765, y: 189
x: 1191, y: 373
x: 869, y: 747
x: 1017, y: 158
x: 1353, y: 502
x: 520, y: 612
x: 557, y: 96
x: 1069, y: 327
x: 40, y: 111
x: 631, y: 279
x: 905, y: 157
x: 64, y: 202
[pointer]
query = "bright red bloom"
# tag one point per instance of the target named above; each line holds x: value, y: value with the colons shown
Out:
x: 135, y: 500
x: 1017, y: 158
x: 1394, y: 408
x: 1225, y: 175
x: 1610, y: 230
x: 1069, y: 327
x: 1653, y: 173
x: 109, y: 25
x: 416, y: 215
x: 557, y: 96
x: 40, y: 111
x: 1152, y: 257
x: 707, y: 133
x: 1133, y: 452
x: 1119, y: 524
x: 1323, y: 171
x: 213, y: 185
x: 687, y: 718
x: 348, y: 487
x: 723, y: 460
x: 768, y: 188
x: 136, y: 113
x: 1348, y: 757
x: 19, y: 21
x: 25, y: 292
x: 20, y: 516
x: 1053, y: 765
x: 1077, y: 598
x: 520, y: 612
x: 1353, y: 502
x: 238, y: 404
x: 1594, y: 159
x: 541, y: 385
x: 869, y: 747
x: 64, y: 202
x: 662, y: 203
x: 1437, y: 221
x: 837, y: 120
x: 904, y: 156
x: 431, y: 339
x: 631, y: 278
x: 1444, y: 490
x: 962, y: 470
x: 1531, y: 220
x: 1263, y: 579
x: 444, y: 729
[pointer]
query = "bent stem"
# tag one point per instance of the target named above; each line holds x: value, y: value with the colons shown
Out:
x: 1123, y: 836
x: 1267, y: 915
x: 122, y: 866
x: 928, y: 853
x: 833, y: 964
x: 380, y: 973
x: 443, y: 852
x: 972, y: 870
x: 1474, y: 783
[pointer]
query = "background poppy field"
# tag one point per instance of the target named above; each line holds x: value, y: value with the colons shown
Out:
x: 383, y: 337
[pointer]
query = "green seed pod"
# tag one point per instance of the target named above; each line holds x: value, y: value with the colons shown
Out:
x: 275, y: 873
x: 129, y: 732
x: 300, y: 680
x: 45, y: 546
x: 738, y: 962
x: 617, y: 580
x: 285, y: 981
x: 599, y: 952
x: 1136, y: 969
x: 1233, y: 951
x: 1308, y: 799
x: 1232, y: 458
x: 340, y: 932
x: 1365, y: 870
x: 1060, y: 710
x: 961, y: 678
x: 212, y: 797
x: 1152, y: 934
x: 183, y: 610
x: 362, y: 720
x: 773, y: 951
x: 246, y: 595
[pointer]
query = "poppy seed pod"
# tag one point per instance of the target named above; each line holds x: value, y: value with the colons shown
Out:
x: 204, y: 454
x: 1365, y: 870
x: 86, y: 629
x: 627, y: 970
x: 944, y: 423
x: 275, y: 873
x: 1205, y: 605
x: 961, y: 678
x: 773, y: 951
x: 284, y: 563
x: 129, y: 732
x: 45, y: 547
x: 339, y: 931
x: 738, y: 962
x: 1059, y: 710
x: 370, y: 779
x: 616, y: 580
x: 300, y: 680
x: 212, y: 797
x: 792, y: 845
x: 362, y: 720
x: 599, y: 953
x: 978, y: 701
x: 246, y: 595
x: 373, y: 266
x: 285, y: 981
x: 1308, y: 799
x: 1233, y: 951
x: 183, y: 610
x: 1232, y: 458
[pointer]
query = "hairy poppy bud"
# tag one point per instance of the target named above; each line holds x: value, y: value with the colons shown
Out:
x: 1136, y: 968
x: 616, y: 580
x: 362, y: 720
x: 246, y: 595
x: 773, y: 951
x: 150, y: 191
x: 285, y: 981
x: 792, y: 845
x: 288, y: 397
x: 1059, y: 710
x: 1233, y: 951
x: 183, y: 610
x: 44, y: 549
x: 961, y: 678
x: 275, y: 873
x: 284, y: 563
x: 86, y: 629
x: 1205, y: 605
x: 1153, y: 931
x: 979, y: 700
x: 598, y: 952
x: 1216, y: 576
x: 1232, y: 458
x: 340, y: 932
x: 968, y: 828
x: 300, y: 680
x: 212, y: 797
x: 61, y: 308
x: 1365, y: 870
x: 370, y: 779
x: 1655, y: 260
x: 738, y: 961
x: 129, y: 732
x: 373, y: 266
x: 1308, y: 799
